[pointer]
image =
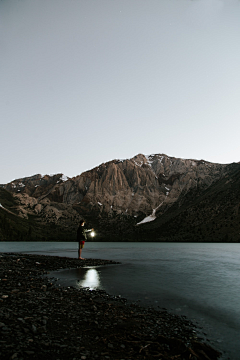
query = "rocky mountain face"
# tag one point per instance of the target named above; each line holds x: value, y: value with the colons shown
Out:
x: 140, y: 199
x: 209, y: 215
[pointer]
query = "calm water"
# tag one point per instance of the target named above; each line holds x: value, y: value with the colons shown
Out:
x: 201, y: 281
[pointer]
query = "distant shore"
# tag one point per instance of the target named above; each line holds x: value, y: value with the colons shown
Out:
x: 41, y: 320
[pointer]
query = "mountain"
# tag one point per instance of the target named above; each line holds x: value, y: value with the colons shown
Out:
x: 209, y: 215
x: 146, y: 198
x: 30, y: 214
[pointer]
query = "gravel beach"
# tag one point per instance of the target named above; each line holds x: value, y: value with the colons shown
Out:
x: 39, y: 320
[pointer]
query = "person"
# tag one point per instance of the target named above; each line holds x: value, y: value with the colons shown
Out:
x: 81, y: 238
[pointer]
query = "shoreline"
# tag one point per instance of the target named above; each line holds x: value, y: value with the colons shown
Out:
x: 39, y: 319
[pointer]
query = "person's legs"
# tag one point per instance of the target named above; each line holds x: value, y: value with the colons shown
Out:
x: 80, y: 247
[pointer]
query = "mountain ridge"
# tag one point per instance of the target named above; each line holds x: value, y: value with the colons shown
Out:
x: 117, y: 195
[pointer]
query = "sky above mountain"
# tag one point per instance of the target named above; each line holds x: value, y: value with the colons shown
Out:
x: 85, y: 81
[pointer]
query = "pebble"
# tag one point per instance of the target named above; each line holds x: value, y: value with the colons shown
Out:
x: 14, y: 356
x: 34, y: 329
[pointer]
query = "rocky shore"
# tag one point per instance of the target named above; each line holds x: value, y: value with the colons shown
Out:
x: 39, y: 320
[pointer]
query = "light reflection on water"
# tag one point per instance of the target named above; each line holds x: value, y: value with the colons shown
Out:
x: 86, y: 277
x: 90, y: 280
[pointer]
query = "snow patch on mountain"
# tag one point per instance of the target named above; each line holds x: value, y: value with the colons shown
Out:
x: 147, y: 219
x: 150, y: 217
x: 64, y: 177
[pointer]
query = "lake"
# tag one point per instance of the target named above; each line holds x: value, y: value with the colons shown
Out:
x: 198, y: 280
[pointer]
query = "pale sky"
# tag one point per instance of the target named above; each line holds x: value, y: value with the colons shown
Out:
x: 87, y: 81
